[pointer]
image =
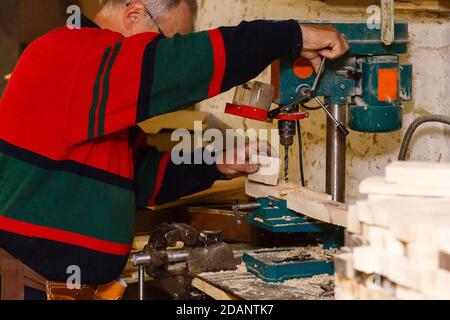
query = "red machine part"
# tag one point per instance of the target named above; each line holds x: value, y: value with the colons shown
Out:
x: 293, y: 116
x: 261, y: 114
x: 247, y: 112
x: 303, y: 68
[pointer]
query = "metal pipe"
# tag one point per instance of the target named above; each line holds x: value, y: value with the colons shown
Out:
x: 141, y: 259
x: 141, y: 282
x: 237, y: 208
x: 338, y: 123
x: 319, y: 75
x: 177, y: 256
x: 336, y: 153
x: 246, y: 206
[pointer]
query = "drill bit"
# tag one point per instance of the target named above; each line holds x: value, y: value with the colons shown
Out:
x: 286, y: 163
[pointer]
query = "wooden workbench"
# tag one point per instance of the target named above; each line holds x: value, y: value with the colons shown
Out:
x: 242, y: 285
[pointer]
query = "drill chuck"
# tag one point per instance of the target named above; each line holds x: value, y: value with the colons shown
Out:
x: 287, y: 131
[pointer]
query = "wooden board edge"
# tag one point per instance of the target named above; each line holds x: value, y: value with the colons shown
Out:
x: 212, y: 291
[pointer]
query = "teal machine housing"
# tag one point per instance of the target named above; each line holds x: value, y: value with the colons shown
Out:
x: 362, y: 79
x: 365, y: 89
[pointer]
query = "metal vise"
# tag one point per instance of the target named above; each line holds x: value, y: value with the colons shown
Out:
x: 205, y: 252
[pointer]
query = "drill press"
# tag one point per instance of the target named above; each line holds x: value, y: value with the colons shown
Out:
x: 369, y: 79
x: 370, y: 82
x: 253, y: 100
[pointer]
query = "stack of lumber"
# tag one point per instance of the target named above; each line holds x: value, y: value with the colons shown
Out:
x: 398, y: 240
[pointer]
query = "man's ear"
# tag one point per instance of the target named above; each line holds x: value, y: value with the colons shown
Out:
x: 132, y: 15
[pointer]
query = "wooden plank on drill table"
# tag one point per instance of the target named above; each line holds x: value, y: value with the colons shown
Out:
x: 315, y: 207
x: 259, y: 190
x: 313, y: 204
x: 308, y: 207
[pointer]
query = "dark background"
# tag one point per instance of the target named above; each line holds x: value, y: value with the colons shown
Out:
x: 22, y: 21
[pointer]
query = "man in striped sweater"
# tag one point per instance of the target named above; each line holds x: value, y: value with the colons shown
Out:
x: 74, y: 165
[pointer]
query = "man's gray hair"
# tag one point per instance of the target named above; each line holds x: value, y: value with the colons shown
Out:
x: 157, y: 7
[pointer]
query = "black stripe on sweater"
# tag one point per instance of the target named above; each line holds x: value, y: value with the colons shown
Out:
x: 253, y: 46
x: 65, y: 165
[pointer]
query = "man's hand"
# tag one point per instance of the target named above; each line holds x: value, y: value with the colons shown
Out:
x: 322, y: 41
x: 235, y: 163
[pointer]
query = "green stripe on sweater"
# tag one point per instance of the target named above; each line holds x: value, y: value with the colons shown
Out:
x: 175, y: 85
x: 65, y: 201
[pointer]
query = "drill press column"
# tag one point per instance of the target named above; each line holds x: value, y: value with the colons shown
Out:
x: 336, y: 153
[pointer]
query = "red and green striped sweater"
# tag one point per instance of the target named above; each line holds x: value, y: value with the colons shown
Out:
x: 73, y: 165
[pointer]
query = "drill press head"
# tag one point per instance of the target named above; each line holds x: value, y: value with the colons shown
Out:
x: 369, y: 78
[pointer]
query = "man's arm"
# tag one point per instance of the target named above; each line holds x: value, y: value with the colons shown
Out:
x: 159, y: 181
x: 142, y: 76
x: 202, y: 65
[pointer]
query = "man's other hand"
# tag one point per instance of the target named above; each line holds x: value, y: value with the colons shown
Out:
x: 322, y: 41
x: 236, y: 163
